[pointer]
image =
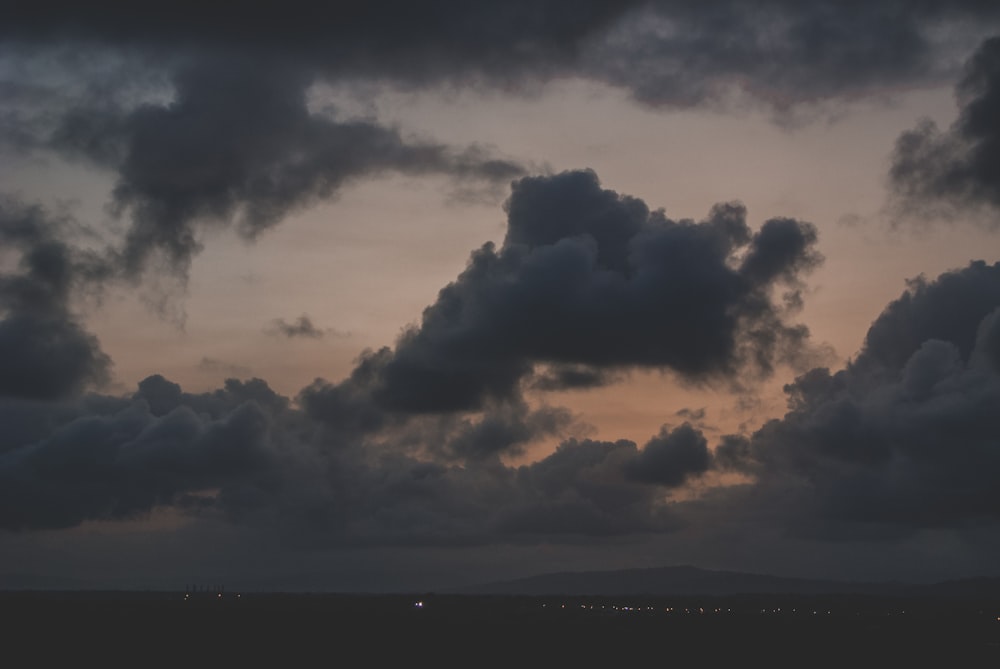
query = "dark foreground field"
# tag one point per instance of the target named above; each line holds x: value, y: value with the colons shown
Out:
x: 230, y: 629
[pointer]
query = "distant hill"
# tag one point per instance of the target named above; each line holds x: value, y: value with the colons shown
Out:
x: 692, y: 581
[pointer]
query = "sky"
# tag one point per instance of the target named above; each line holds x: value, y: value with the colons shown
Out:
x: 409, y: 295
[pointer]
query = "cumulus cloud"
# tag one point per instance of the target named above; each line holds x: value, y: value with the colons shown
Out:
x: 45, y: 353
x: 504, y: 430
x: 949, y: 308
x: 243, y: 454
x: 581, y: 490
x: 589, y: 279
x: 116, y: 458
x: 889, y: 445
x: 955, y: 171
x: 905, y: 437
x: 121, y: 466
x: 671, y: 457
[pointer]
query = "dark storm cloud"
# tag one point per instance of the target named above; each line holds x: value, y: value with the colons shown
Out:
x: 955, y: 171
x: 949, y: 308
x: 121, y: 466
x: 671, y: 457
x: 44, y: 352
x: 229, y: 138
x: 383, y: 38
x: 163, y: 396
x: 573, y: 377
x: 890, y: 444
x: 593, y: 279
x: 987, y: 351
x: 243, y: 455
x: 906, y: 436
x: 48, y: 357
x: 237, y: 143
x: 505, y: 430
x: 27, y: 420
x: 114, y: 458
x: 579, y: 493
x: 781, y: 52
x: 351, y: 414
x: 582, y: 490
x: 347, y: 406
x: 666, y: 52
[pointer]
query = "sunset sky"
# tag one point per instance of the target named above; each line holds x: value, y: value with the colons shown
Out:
x: 403, y: 295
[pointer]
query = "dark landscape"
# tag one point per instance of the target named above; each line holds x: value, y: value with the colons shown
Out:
x: 872, y: 625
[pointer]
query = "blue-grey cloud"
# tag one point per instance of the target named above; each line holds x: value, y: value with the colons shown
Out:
x: 887, y: 446
x: 671, y: 457
x: 45, y: 353
x: 907, y: 436
x: 237, y: 145
x: 954, y: 172
x: 665, y: 52
x: 589, y: 277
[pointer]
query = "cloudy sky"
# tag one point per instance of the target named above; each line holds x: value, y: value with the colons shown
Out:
x: 395, y: 295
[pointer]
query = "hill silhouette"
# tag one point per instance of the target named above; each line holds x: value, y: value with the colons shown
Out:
x: 693, y: 581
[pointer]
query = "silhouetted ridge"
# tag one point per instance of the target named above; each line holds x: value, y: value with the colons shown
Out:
x: 689, y: 581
